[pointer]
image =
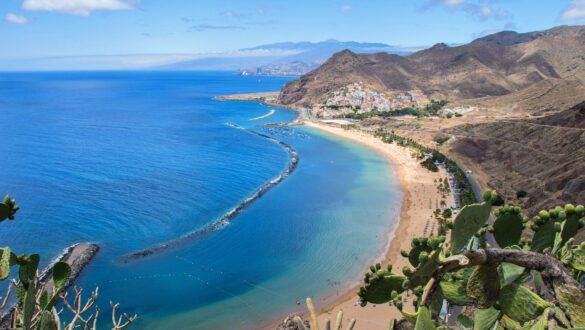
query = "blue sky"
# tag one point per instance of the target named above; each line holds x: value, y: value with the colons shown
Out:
x: 58, y: 28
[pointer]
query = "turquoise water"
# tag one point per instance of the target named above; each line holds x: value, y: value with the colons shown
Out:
x: 130, y: 160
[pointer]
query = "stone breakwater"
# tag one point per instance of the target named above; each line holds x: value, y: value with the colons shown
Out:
x: 77, y: 256
x: 227, y: 217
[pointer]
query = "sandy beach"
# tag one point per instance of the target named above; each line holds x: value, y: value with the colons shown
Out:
x: 421, y: 198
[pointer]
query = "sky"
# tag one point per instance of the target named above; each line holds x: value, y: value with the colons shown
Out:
x: 170, y: 30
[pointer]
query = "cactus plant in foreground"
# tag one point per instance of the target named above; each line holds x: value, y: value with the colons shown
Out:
x: 37, y: 300
x: 530, y: 284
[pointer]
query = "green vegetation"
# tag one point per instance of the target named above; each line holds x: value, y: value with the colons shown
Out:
x: 534, y: 284
x: 37, y: 301
x: 430, y: 110
x: 442, y: 138
x: 466, y: 193
x: 430, y: 165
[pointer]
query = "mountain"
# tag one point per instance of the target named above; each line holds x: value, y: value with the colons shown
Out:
x: 495, y: 65
x: 284, y: 58
x: 544, y: 156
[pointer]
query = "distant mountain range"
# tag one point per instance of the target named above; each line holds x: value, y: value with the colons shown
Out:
x: 284, y: 58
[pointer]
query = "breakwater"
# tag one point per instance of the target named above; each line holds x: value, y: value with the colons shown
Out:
x: 225, y: 219
x: 270, y: 113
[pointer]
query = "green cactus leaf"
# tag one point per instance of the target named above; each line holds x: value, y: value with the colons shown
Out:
x: 455, y: 293
x: 423, y: 273
x: 4, y: 211
x: 485, y: 319
x: 467, y: 223
x: 415, y: 252
x: 509, y: 273
x: 508, y: 226
x: 5, y: 263
x: 520, y: 303
x: 436, y: 302
x: 538, y: 283
x: 61, y: 274
x: 27, y: 272
x: 544, y: 236
x: 578, y: 260
x: 28, y: 306
x: 542, y: 322
x: 560, y: 317
x: 565, y: 254
x: 483, y: 286
x: 465, y: 321
x: 20, y: 292
x: 408, y: 316
x: 510, y: 324
x: 572, y: 301
x: 571, y: 225
x: 44, y: 300
x: 424, y: 320
x: 379, y: 289
x: 48, y: 321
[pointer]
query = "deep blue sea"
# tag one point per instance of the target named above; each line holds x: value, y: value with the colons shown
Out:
x: 130, y: 160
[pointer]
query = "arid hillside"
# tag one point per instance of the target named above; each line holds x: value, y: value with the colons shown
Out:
x: 544, y: 157
x: 500, y: 64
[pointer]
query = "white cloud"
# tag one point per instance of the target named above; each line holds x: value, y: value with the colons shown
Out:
x: 78, y: 7
x: 486, y: 11
x: 575, y: 11
x: 346, y: 8
x: 16, y: 19
x: 451, y: 2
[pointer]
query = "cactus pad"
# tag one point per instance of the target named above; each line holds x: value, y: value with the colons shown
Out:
x: 455, y: 292
x: 578, y: 260
x: 571, y: 224
x: 508, y: 226
x: 468, y: 222
x: 521, y: 304
x: 483, y: 286
x: 544, y: 231
x: 572, y: 301
x: 378, y: 289
x: 424, y: 320
x: 509, y: 273
x: 485, y: 319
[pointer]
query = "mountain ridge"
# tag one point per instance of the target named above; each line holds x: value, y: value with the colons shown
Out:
x: 493, y: 65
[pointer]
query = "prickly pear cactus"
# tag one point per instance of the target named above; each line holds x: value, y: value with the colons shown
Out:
x: 483, y: 286
x: 508, y: 227
x: 420, y: 251
x: 521, y: 304
x: 8, y: 209
x: 470, y: 220
x: 572, y: 222
x: 545, y: 228
x: 381, y: 287
x: 485, y: 319
x: 495, y: 284
x: 456, y: 292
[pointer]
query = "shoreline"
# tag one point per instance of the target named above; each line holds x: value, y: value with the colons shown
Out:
x: 416, y: 184
x: 419, y: 199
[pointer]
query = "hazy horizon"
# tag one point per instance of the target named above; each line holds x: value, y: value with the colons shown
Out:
x: 142, y: 34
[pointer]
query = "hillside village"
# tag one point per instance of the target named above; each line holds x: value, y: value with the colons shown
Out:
x: 359, y: 98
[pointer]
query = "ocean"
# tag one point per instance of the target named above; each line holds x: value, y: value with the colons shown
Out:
x: 133, y: 160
